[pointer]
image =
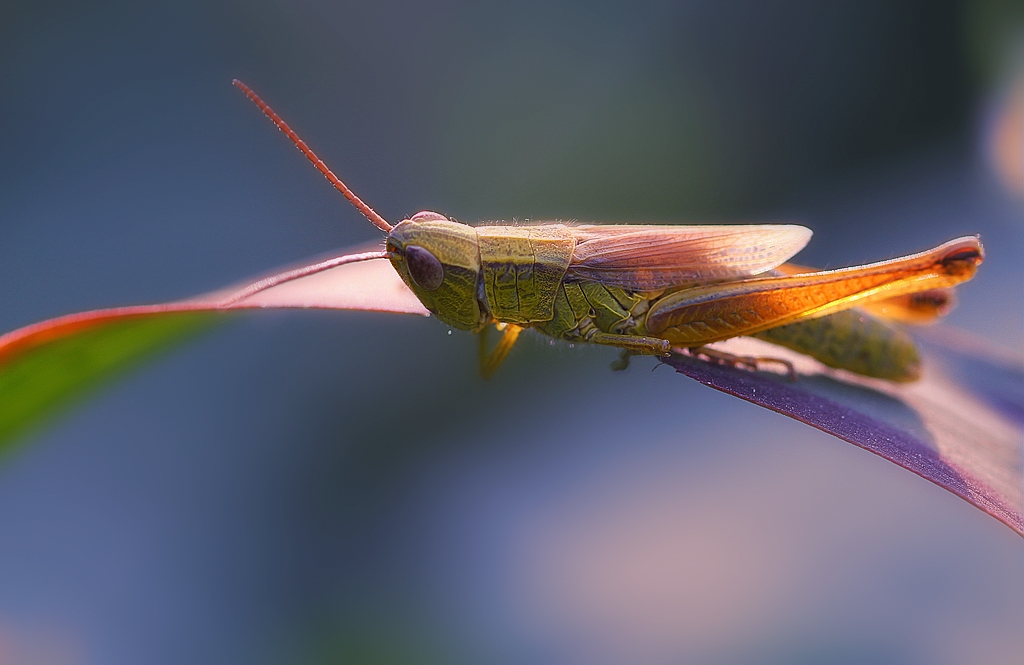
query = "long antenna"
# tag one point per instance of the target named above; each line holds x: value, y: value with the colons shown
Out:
x: 367, y: 211
x: 290, y: 275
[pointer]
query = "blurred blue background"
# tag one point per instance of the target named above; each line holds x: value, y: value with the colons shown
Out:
x: 332, y: 487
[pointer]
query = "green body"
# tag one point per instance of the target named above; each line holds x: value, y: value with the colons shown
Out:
x: 518, y: 275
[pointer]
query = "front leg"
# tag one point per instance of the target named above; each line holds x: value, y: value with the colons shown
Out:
x: 490, y: 360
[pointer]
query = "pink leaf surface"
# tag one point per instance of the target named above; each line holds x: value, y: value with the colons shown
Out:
x: 369, y: 285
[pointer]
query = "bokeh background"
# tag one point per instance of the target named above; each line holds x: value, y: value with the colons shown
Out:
x: 332, y: 487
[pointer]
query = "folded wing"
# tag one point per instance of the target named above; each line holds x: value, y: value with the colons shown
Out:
x: 648, y: 258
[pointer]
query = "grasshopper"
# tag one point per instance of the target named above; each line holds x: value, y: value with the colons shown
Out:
x: 655, y: 290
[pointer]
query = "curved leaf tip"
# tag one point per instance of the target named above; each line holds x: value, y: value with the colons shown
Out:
x: 956, y: 435
x: 45, y: 365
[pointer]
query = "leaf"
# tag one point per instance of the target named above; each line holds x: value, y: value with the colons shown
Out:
x: 960, y: 426
x: 45, y: 365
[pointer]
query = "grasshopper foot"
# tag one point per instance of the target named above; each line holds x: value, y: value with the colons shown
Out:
x: 749, y: 362
x: 622, y: 363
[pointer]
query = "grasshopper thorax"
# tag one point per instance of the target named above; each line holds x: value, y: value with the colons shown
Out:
x: 440, y: 261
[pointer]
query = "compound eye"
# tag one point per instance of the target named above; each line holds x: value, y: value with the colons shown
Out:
x: 424, y: 268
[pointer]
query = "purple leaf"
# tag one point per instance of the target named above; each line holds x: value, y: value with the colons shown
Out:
x: 963, y: 434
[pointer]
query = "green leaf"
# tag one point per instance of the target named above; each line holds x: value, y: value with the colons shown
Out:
x: 35, y: 382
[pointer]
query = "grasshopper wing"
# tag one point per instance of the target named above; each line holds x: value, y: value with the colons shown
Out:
x: 649, y: 258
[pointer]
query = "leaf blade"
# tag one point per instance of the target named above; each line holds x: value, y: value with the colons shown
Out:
x: 955, y: 427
